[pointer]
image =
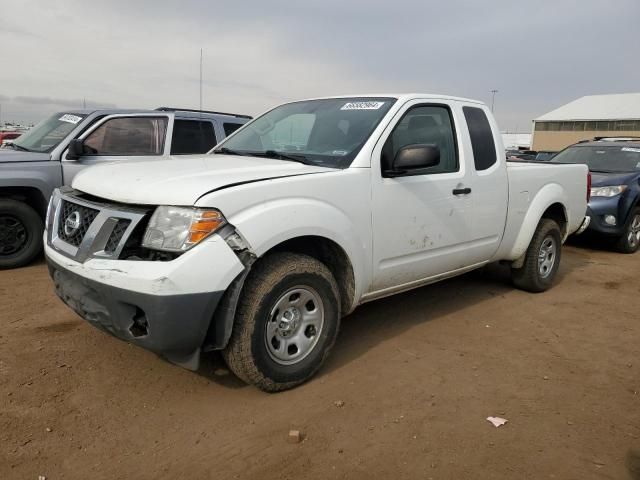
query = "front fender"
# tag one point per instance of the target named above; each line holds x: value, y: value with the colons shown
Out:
x: 43, y: 176
x: 548, y: 195
x: 270, y: 223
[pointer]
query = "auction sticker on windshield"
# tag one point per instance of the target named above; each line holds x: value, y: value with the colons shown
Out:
x: 362, y: 106
x: 70, y: 118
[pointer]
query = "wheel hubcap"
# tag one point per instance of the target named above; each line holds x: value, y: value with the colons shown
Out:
x: 294, y: 326
x: 634, y: 232
x: 547, y: 256
x: 13, y: 235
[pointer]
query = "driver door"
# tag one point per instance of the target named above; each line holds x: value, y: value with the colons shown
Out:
x: 121, y: 137
x: 420, y: 220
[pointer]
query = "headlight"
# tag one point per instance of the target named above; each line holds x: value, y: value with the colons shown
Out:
x: 177, y: 229
x: 607, y: 191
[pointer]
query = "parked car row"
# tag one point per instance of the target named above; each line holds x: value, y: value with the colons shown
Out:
x: 259, y: 248
x: 529, y: 155
x: 52, y: 153
x: 614, y: 208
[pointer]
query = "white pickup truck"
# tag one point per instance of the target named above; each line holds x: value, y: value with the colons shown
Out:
x: 259, y: 248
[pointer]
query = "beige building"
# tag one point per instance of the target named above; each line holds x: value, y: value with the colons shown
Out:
x: 588, y: 117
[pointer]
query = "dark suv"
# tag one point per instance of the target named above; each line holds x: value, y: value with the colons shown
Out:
x: 614, y: 208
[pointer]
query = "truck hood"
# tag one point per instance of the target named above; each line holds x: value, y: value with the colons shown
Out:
x: 611, y: 179
x: 8, y: 154
x: 181, y: 180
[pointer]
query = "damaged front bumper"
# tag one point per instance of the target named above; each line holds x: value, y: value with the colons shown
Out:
x: 165, y: 307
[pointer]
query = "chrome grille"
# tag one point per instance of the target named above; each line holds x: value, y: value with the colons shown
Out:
x: 75, y: 220
x: 82, y: 228
x: 116, y: 235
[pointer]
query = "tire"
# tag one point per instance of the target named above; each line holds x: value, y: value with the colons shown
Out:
x: 629, y: 242
x: 278, y: 340
x: 21, y: 230
x: 537, y: 275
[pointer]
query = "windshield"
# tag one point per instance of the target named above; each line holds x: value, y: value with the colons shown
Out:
x: 607, y: 159
x: 327, y: 132
x: 46, y: 135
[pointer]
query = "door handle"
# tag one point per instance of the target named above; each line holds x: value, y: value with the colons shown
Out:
x: 462, y: 191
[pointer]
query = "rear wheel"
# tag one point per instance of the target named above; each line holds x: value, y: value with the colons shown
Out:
x: 629, y: 242
x: 21, y: 230
x: 286, y: 322
x: 542, y: 259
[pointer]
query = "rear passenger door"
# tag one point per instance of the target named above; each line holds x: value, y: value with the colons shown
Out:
x: 116, y: 138
x: 488, y: 210
x: 193, y: 136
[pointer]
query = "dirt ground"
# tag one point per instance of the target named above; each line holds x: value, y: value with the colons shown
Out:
x: 418, y: 373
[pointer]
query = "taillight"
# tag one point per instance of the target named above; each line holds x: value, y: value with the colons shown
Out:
x: 588, y: 186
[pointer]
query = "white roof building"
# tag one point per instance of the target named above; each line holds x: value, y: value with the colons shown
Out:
x: 622, y: 106
x: 587, y: 118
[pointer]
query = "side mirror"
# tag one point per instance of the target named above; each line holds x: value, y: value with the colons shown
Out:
x: 416, y: 157
x: 76, y: 149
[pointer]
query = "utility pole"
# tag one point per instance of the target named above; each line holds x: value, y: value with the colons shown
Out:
x: 493, y: 98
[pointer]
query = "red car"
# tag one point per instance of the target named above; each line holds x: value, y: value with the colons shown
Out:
x: 8, y: 136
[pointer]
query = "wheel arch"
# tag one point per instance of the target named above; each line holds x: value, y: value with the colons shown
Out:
x: 323, y: 249
x: 31, y: 196
x: 550, y: 202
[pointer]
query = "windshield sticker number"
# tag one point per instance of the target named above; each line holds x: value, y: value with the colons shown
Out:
x: 629, y: 149
x: 70, y: 118
x: 362, y: 106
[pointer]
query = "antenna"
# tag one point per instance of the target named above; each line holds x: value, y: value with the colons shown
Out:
x: 201, y: 79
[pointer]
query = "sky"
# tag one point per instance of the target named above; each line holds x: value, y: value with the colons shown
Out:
x: 538, y: 54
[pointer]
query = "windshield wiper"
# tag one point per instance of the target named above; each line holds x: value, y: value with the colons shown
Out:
x: 282, y: 156
x: 19, y: 147
x: 226, y: 151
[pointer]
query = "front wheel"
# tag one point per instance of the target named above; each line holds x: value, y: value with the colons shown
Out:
x: 21, y: 230
x: 286, y: 322
x: 542, y: 259
x: 629, y: 242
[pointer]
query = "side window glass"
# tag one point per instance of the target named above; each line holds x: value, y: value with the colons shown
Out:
x: 192, y: 136
x: 229, y: 128
x: 128, y: 136
x: 430, y: 125
x: 484, y: 148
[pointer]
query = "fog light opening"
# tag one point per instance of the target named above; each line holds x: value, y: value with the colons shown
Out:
x: 140, y: 326
x: 610, y: 220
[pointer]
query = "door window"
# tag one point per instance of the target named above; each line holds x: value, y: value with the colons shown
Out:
x: 128, y: 136
x: 192, y: 136
x: 430, y: 125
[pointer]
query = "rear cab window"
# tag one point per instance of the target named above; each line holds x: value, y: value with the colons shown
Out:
x: 481, y: 134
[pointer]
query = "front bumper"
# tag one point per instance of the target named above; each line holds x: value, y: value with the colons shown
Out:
x: 165, y: 307
x: 598, y: 211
